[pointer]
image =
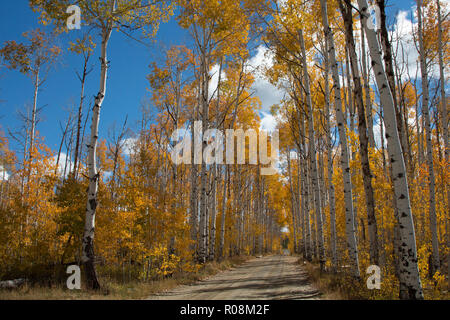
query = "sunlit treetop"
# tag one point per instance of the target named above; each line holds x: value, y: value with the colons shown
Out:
x: 29, y: 57
x: 124, y: 15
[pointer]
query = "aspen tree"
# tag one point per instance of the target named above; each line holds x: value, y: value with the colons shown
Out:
x: 362, y: 131
x: 429, y: 146
x: 345, y: 159
x: 105, y: 16
x: 312, y: 152
x: 409, y: 272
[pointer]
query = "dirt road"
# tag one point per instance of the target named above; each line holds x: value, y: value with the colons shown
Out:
x: 268, y: 278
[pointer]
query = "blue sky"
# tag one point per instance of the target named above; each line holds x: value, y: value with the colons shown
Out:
x: 126, y: 86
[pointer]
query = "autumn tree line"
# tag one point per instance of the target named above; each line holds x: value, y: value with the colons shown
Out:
x: 356, y: 201
x: 119, y: 205
x: 363, y: 159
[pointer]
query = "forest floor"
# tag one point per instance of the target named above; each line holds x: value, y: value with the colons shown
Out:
x: 119, y: 290
x: 266, y: 278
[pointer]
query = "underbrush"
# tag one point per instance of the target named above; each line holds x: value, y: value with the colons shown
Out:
x: 341, y: 286
x: 114, y: 288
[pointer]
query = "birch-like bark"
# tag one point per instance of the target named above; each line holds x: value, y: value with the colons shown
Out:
x: 293, y: 209
x: 312, y: 149
x: 89, y: 228
x: 441, y: 46
x: 389, y: 69
x: 362, y: 131
x: 345, y: 161
x: 224, y: 212
x: 33, y: 114
x: 367, y: 100
x: 332, y: 202
x: 409, y: 271
x: 204, y: 173
x: 426, y: 115
x: 193, y: 200
x: 80, y: 115
x: 305, y: 194
x: 323, y: 190
x: 300, y: 217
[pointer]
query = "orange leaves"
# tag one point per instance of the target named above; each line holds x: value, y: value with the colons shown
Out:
x: 29, y: 58
x: 143, y: 15
x: 223, y: 22
x: 83, y: 46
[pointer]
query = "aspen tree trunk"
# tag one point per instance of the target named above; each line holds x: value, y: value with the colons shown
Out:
x: 389, y: 69
x: 208, y: 217
x: 212, y: 246
x: 88, y: 255
x: 409, y: 272
x: 226, y: 190
x: 441, y: 46
x: 426, y: 115
x: 350, y: 110
x: 261, y: 219
x: 368, y: 100
x: 193, y: 201
x: 258, y: 209
x: 237, y: 207
x: 345, y: 161
x: 68, y: 153
x: 294, y: 223
x: 300, y: 216
x: 305, y: 198
x: 332, y: 202
x: 204, y: 173
x: 224, y: 210
x: 312, y: 210
x: 80, y: 115
x: 363, y: 139
x: 312, y: 150
x: 33, y: 115
x: 322, y: 187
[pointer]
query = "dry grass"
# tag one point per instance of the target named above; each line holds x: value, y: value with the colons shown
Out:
x: 114, y: 290
x: 341, y: 287
x: 325, y: 283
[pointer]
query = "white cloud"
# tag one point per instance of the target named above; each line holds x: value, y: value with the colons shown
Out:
x: 214, y: 81
x: 268, y: 122
x: 406, y: 52
x: 4, y: 175
x: 267, y: 93
x: 377, y: 133
x: 128, y: 145
x: 62, y: 164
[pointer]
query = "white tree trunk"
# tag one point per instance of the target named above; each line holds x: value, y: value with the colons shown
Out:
x: 426, y: 115
x: 33, y: 114
x: 224, y: 212
x: 212, y: 244
x: 444, y: 123
x: 409, y: 271
x: 363, y: 137
x: 332, y: 202
x: 305, y: 195
x: 312, y: 152
x: 345, y: 160
x: 203, y: 245
x: 367, y: 100
x: 293, y: 205
x: 89, y: 228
